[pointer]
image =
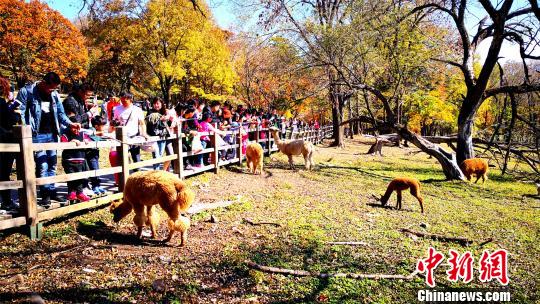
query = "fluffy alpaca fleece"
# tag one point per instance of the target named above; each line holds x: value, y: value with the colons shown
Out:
x: 403, y: 183
x: 254, y: 157
x: 475, y: 166
x: 295, y: 147
x: 145, y: 189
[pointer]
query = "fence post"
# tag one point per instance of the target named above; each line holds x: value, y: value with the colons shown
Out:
x: 257, y: 137
x: 269, y: 138
x: 177, y: 148
x: 26, y: 172
x: 123, y: 156
x: 239, y: 150
x: 215, y: 153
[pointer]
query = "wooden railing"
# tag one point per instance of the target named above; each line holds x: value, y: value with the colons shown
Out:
x: 32, y: 217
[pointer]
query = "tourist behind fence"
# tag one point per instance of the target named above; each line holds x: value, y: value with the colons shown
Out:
x: 44, y: 113
x: 190, y: 125
x: 111, y: 104
x: 84, y: 111
x: 9, y: 116
x: 131, y: 118
x: 73, y: 160
x: 156, y: 125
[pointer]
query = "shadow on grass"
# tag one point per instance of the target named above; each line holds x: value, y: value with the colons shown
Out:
x: 99, y: 231
x: 364, y: 172
x: 389, y: 207
x: 433, y: 181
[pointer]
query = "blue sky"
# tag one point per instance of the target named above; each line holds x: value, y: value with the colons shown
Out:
x: 221, y: 10
x: 225, y: 18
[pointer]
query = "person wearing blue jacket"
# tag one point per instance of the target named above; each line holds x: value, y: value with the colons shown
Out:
x: 42, y: 110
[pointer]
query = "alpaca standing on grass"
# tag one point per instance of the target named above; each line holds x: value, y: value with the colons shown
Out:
x: 144, y: 190
x: 403, y: 183
x: 295, y: 147
x: 254, y: 157
x: 475, y: 166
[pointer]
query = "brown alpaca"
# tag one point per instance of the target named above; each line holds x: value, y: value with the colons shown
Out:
x: 403, y: 183
x: 295, y: 147
x: 145, y: 189
x: 254, y: 157
x: 475, y: 166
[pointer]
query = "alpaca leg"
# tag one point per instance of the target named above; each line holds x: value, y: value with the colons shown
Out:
x: 152, y: 220
x: 171, y: 230
x: 478, y: 177
x: 398, y: 205
x: 484, y: 178
x: 183, y: 240
x: 421, y: 201
x: 415, y: 193
x: 291, y: 162
x: 173, y: 217
x: 139, y: 219
x: 311, y: 162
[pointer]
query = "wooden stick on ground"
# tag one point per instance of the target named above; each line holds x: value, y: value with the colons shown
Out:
x: 249, y: 221
x: 322, y: 275
x: 348, y: 243
x: 201, y: 207
x: 461, y: 240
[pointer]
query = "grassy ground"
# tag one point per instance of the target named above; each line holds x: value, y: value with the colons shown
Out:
x: 332, y: 203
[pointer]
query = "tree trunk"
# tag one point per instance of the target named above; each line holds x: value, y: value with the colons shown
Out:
x: 449, y: 165
x: 465, y: 148
x: 337, y: 118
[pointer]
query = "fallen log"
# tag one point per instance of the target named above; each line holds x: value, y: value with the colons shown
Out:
x: 322, y: 275
x: 461, y: 240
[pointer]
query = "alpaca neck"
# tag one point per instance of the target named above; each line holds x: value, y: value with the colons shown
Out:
x: 386, y: 196
x: 276, y: 138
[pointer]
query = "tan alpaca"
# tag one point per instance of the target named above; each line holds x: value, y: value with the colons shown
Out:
x: 295, y: 147
x: 145, y: 189
x: 475, y: 166
x: 403, y: 183
x: 254, y: 157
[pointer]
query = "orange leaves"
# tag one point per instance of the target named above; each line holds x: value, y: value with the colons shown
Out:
x: 35, y: 39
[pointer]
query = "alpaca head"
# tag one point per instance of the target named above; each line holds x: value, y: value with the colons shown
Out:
x: 384, y: 200
x: 120, y: 210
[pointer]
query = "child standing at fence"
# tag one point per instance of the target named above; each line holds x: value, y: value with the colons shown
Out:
x: 92, y: 155
x: 205, y: 125
x: 74, y: 161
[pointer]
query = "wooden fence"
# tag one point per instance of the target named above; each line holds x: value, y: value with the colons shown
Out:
x: 31, y: 216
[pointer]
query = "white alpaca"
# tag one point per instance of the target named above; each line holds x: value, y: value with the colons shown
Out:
x: 295, y: 147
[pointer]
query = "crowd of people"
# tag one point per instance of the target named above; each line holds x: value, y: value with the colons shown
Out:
x: 79, y: 118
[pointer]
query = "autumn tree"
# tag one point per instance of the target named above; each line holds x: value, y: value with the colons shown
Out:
x: 111, y: 68
x: 501, y: 22
x: 272, y: 74
x: 162, y: 44
x: 35, y: 39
